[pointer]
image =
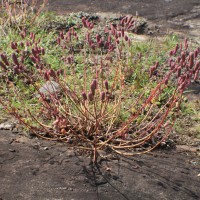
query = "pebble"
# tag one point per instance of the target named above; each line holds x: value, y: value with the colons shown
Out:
x: 12, y: 150
x: 7, y: 126
x: 48, y: 88
x: 149, y: 32
x: 45, y: 148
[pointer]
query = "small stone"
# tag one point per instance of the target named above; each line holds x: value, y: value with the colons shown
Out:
x: 108, y: 169
x: 7, y: 126
x: 12, y: 150
x: 45, y: 148
x: 36, y: 146
x: 49, y: 87
x: 149, y: 32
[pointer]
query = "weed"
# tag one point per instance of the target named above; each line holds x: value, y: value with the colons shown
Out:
x: 96, y: 91
x: 20, y: 14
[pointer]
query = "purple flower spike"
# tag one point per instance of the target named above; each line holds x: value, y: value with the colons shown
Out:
x: 14, y: 57
x: 183, y: 56
x: 46, y: 76
x: 126, y: 37
x: 166, y: 81
x: 58, y: 41
x: 98, y: 37
x: 4, y: 58
x: 52, y: 73
x: 90, y: 96
x: 13, y: 45
x: 122, y: 31
x: 33, y: 59
x: 62, y: 35
x: 156, y: 65
x: 176, y: 49
x: 179, y: 72
x: 195, y: 53
x: 103, y: 96
x: 94, y: 82
x: 84, y: 96
x: 16, y: 70
x: 106, y: 84
x: 92, y: 87
x: 191, y: 60
x: 152, y: 69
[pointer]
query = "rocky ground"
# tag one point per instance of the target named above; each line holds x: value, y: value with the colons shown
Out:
x: 39, y: 170
x: 180, y: 16
x: 34, y: 169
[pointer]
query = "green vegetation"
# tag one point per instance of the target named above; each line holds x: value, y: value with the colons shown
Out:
x: 69, y: 79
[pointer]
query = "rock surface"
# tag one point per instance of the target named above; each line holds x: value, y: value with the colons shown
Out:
x: 175, y: 15
x: 36, y: 169
x: 49, y: 87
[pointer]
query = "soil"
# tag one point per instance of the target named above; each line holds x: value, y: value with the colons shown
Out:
x: 39, y: 170
x: 34, y: 169
x: 180, y: 16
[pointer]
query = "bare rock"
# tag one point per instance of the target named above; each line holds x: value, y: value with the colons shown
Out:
x: 49, y: 87
x: 7, y: 125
